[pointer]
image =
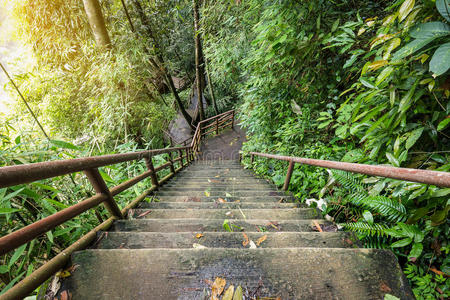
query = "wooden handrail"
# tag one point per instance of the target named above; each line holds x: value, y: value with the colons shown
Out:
x: 22, y: 174
x: 437, y: 178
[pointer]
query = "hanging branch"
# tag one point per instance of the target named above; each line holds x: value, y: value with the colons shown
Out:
x: 25, y: 101
x: 128, y: 15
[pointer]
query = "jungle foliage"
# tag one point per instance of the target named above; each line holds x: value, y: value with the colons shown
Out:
x: 354, y: 81
x: 345, y: 80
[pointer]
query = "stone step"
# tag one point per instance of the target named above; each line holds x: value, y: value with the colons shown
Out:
x: 216, y: 205
x: 253, y: 193
x: 142, y: 240
x: 246, y: 186
x: 239, y: 188
x: 271, y: 214
x: 190, y: 225
x: 203, y: 198
x: 287, y: 273
x: 213, y: 180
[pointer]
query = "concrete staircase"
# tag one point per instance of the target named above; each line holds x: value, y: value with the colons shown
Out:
x: 177, y: 245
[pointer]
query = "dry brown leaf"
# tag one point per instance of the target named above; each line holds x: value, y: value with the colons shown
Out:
x: 229, y: 293
x: 221, y: 200
x: 65, y: 295
x: 246, y: 240
x: 317, y: 226
x: 261, y: 239
x: 208, y: 282
x: 214, y: 181
x: 144, y: 214
x: 237, y: 201
x: 199, y: 235
x: 193, y: 199
x: 217, y: 287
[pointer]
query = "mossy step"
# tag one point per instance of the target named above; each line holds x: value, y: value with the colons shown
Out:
x: 216, y: 205
x: 190, y: 225
x: 213, y: 193
x: 203, y: 198
x: 271, y: 214
x: 142, y: 240
x: 219, y: 186
x: 288, y: 273
x: 210, y: 180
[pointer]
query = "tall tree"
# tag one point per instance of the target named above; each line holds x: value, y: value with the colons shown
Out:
x: 198, y: 60
x: 160, y: 64
x: 97, y: 22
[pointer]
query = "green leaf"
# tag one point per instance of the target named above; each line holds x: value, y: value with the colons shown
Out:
x: 367, y: 84
x: 11, y: 195
x: 430, y: 30
x: 411, y: 47
x: 401, y: 243
x: 405, y: 9
x: 19, y: 251
x: 64, y: 145
x: 392, y: 160
x: 414, y: 136
x: 443, y: 7
x: 416, y: 250
x: 50, y: 236
x: 5, y: 210
x: 383, y: 75
x: 368, y: 217
x: 390, y: 297
x: 443, y: 124
x: 3, y: 269
x: 440, y: 62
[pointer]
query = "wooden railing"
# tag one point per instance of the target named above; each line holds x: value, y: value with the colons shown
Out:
x: 22, y: 174
x: 437, y: 178
x: 211, y: 125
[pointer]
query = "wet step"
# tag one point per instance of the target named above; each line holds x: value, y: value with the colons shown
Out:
x: 288, y: 273
x: 203, y: 198
x: 241, y: 240
x: 270, y: 214
x: 213, y: 193
x: 220, y: 185
x: 216, y: 205
x: 201, y: 225
x: 208, y: 180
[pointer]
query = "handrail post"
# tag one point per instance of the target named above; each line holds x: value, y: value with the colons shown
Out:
x: 100, y: 187
x: 180, y: 153
x: 217, y: 126
x: 288, y: 175
x: 149, y: 163
x: 252, y: 158
x: 232, y: 120
x: 172, y: 169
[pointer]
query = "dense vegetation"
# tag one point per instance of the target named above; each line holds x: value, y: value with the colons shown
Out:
x: 354, y: 81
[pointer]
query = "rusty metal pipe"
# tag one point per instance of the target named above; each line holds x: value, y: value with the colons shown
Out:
x: 24, y: 235
x: 14, y: 175
x: 100, y: 187
x: 288, y: 175
x: 149, y: 163
x: 437, y: 178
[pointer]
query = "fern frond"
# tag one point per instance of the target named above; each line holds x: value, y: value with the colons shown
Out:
x: 377, y: 242
x: 349, y: 181
x: 366, y: 228
x: 391, y: 209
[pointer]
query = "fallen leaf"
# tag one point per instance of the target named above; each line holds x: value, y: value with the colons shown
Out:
x: 229, y: 293
x: 207, y: 193
x: 217, y: 287
x: 229, y: 213
x: 317, y: 226
x: 436, y: 271
x: 217, y: 176
x: 246, y: 241
x: 199, y: 235
x: 261, y: 239
x: 208, y: 282
x: 384, y: 287
x: 252, y: 245
x: 65, y: 295
x: 221, y: 200
x: 237, y: 201
x: 193, y: 199
x: 227, y: 195
x: 198, y: 246
x: 144, y: 214
x: 238, y: 294
x: 214, y: 181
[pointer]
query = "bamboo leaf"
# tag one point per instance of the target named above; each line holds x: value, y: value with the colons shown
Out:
x: 412, y: 139
x: 405, y: 9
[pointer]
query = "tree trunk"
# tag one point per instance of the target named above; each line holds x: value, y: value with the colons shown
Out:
x: 97, y: 22
x: 161, y: 64
x: 211, y: 90
x: 198, y: 60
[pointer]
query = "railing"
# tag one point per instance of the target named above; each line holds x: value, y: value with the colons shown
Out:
x: 437, y: 178
x: 214, y: 124
x: 22, y: 174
